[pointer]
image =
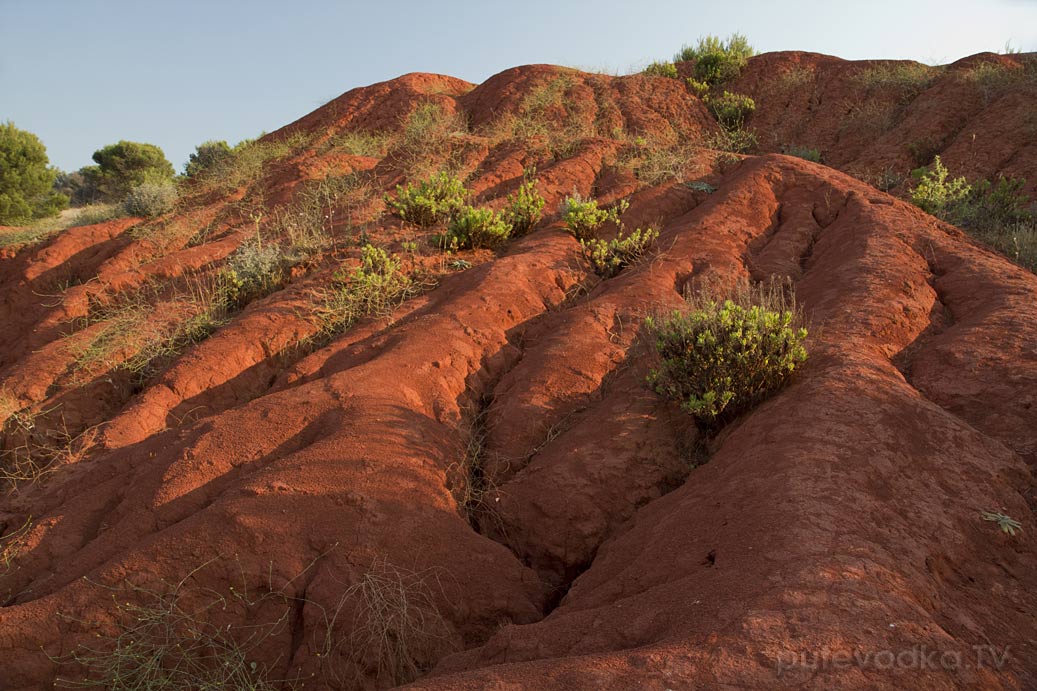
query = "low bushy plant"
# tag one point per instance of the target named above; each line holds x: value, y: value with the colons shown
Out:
x: 724, y: 356
x: 151, y: 199
x: 473, y: 228
x: 716, y: 60
x: 430, y: 201
x: 525, y: 208
x: 582, y: 216
x: 731, y: 110
x: 252, y: 271
x: 661, y: 69
x: 936, y: 195
x: 610, y: 257
x: 700, y: 89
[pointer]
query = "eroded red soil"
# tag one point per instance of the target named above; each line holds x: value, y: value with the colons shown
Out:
x: 611, y: 547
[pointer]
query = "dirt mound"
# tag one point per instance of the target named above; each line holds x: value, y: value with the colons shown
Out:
x: 476, y: 488
x: 880, y: 119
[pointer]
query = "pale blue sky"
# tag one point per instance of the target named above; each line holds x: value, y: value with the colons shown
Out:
x: 85, y: 73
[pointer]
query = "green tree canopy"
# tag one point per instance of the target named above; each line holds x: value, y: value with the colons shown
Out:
x: 26, y: 178
x: 123, y: 166
x: 207, y: 156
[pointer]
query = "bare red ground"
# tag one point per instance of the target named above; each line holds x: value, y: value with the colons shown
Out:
x: 835, y: 525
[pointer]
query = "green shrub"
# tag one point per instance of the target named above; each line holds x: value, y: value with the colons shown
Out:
x: 994, y: 206
x: 934, y: 194
x: 431, y: 201
x: 609, y: 258
x: 26, y: 178
x: 803, y: 152
x: 731, y: 110
x: 725, y: 356
x: 526, y: 208
x: 583, y: 217
x: 999, y: 214
x: 661, y: 69
x: 151, y: 199
x: 700, y: 89
x: 717, y: 61
x: 474, y: 228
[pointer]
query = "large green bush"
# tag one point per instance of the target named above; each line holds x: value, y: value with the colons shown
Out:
x: 26, y: 178
x: 725, y: 356
x: 430, y: 201
x: 717, y: 61
x: 125, y: 165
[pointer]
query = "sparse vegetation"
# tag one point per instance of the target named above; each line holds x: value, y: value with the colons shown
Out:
x: 430, y: 201
x: 11, y: 545
x: 427, y: 136
x: 70, y: 218
x: 805, y: 152
x: 33, y: 448
x: 654, y: 162
x: 994, y: 79
x: 869, y: 117
x: 361, y: 143
x: 179, y: 635
x: 396, y: 630
x: 793, y: 79
x: 583, y: 217
x: 724, y: 355
x: 610, y: 257
x: 736, y: 141
x: 548, y: 120
x: 1007, y: 524
x: 717, y: 61
x: 246, y: 163
x: 374, y: 288
x: 924, y: 150
x: 904, y: 80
